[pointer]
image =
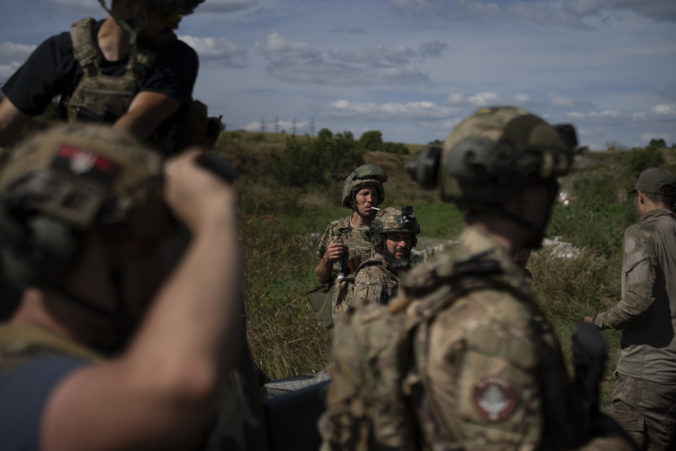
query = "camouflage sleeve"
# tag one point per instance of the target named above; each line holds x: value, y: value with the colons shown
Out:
x: 369, y: 287
x: 483, y: 378
x: 324, y: 240
x: 638, y: 278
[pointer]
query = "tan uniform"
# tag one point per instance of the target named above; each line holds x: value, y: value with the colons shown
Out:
x: 359, y: 249
x: 644, y: 399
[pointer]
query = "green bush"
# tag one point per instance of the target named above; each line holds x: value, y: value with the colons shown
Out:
x: 641, y: 159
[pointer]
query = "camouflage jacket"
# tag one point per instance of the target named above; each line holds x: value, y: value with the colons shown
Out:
x: 375, y: 282
x: 482, y: 368
x: 647, y: 311
x: 359, y: 249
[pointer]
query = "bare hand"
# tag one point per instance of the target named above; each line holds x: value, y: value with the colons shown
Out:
x: 335, y: 250
x: 589, y: 319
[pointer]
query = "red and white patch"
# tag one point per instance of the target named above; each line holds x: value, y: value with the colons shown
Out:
x: 494, y: 398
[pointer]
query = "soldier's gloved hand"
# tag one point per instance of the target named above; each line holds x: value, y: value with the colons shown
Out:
x: 335, y: 250
x: 196, y: 195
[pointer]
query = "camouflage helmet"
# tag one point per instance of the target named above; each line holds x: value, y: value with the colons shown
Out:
x: 365, y: 175
x: 494, y: 152
x: 70, y: 179
x: 391, y: 220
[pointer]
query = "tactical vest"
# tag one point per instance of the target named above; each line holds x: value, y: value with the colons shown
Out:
x: 377, y: 397
x: 20, y: 343
x: 105, y: 98
x: 99, y: 97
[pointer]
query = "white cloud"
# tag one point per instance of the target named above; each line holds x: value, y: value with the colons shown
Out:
x: 389, y: 111
x: 483, y: 98
x: 399, y: 54
x: 6, y: 70
x: 225, y: 6
x: 455, y: 98
x: 606, y: 114
x: 336, y: 74
x: 276, y: 46
x: 218, y: 50
x: 664, y: 109
x: 11, y: 51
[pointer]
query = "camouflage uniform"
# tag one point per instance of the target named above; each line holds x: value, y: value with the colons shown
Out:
x: 375, y: 282
x: 359, y: 250
x: 644, y: 398
x: 463, y: 358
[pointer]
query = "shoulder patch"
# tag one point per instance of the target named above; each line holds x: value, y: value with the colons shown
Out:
x: 494, y: 398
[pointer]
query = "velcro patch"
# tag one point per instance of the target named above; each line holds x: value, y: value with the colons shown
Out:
x: 494, y: 398
x: 82, y: 163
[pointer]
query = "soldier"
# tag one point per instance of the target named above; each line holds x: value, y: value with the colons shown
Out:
x: 393, y: 234
x: 644, y: 398
x: 128, y: 70
x: 114, y: 346
x: 463, y: 358
x: 343, y: 245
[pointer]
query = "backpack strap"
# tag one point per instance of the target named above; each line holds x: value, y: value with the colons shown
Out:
x: 85, y: 50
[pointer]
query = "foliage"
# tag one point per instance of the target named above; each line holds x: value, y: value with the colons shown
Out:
x: 306, y: 162
x: 644, y: 158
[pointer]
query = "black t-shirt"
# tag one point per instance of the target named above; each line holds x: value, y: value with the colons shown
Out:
x: 52, y: 70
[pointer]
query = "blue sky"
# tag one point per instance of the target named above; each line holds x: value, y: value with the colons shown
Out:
x: 413, y: 68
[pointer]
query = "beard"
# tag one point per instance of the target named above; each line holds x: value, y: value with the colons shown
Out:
x: 396, y: 262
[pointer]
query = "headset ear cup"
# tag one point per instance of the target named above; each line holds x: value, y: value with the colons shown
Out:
x: 53, y: 247
x: 43, y: 252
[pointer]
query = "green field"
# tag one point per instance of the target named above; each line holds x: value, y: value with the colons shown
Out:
x: 278, y: 221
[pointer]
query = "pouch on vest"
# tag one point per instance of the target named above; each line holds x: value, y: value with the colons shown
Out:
x: 320, y: 299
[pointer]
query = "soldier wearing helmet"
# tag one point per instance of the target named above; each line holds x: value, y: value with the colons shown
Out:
x: 482, y: 368
x: 343, y: 245
x: 393, y: 234
x: 114, y: 346
x: 128, y: 70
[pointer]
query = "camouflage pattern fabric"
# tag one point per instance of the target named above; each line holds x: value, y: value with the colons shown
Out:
x: 487, y: 371
x: 375, y: 282
x: 99, y: 97
x: 359, y: 249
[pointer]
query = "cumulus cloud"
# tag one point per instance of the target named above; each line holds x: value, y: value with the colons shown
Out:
x: 6, y: 70
x: 275, y: 47
x: 389, y: 111
x: 432, y: 48
x: 321, y: 72
x: 483, y: 98
x: 664, y: 109
x: 568, y: 13
x: 606, y: 114
x: 218, y: 51
x: 11, y: 52
x: 225, y: 6
x: 298, y: 62
x: 285, y: 125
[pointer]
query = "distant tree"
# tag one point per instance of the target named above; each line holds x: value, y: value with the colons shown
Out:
x: 436, y: 142
x: 657, y: 143
x: 644, y: 158
x: 371, y: 140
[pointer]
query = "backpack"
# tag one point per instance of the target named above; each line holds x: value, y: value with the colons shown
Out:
x: 378, y: 354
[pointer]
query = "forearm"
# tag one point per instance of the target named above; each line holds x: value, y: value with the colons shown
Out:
x: 626, y: 312
x: 11, y: 121
x: 323, y: 270
x: 146, y: 112
x: 192, y: 330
